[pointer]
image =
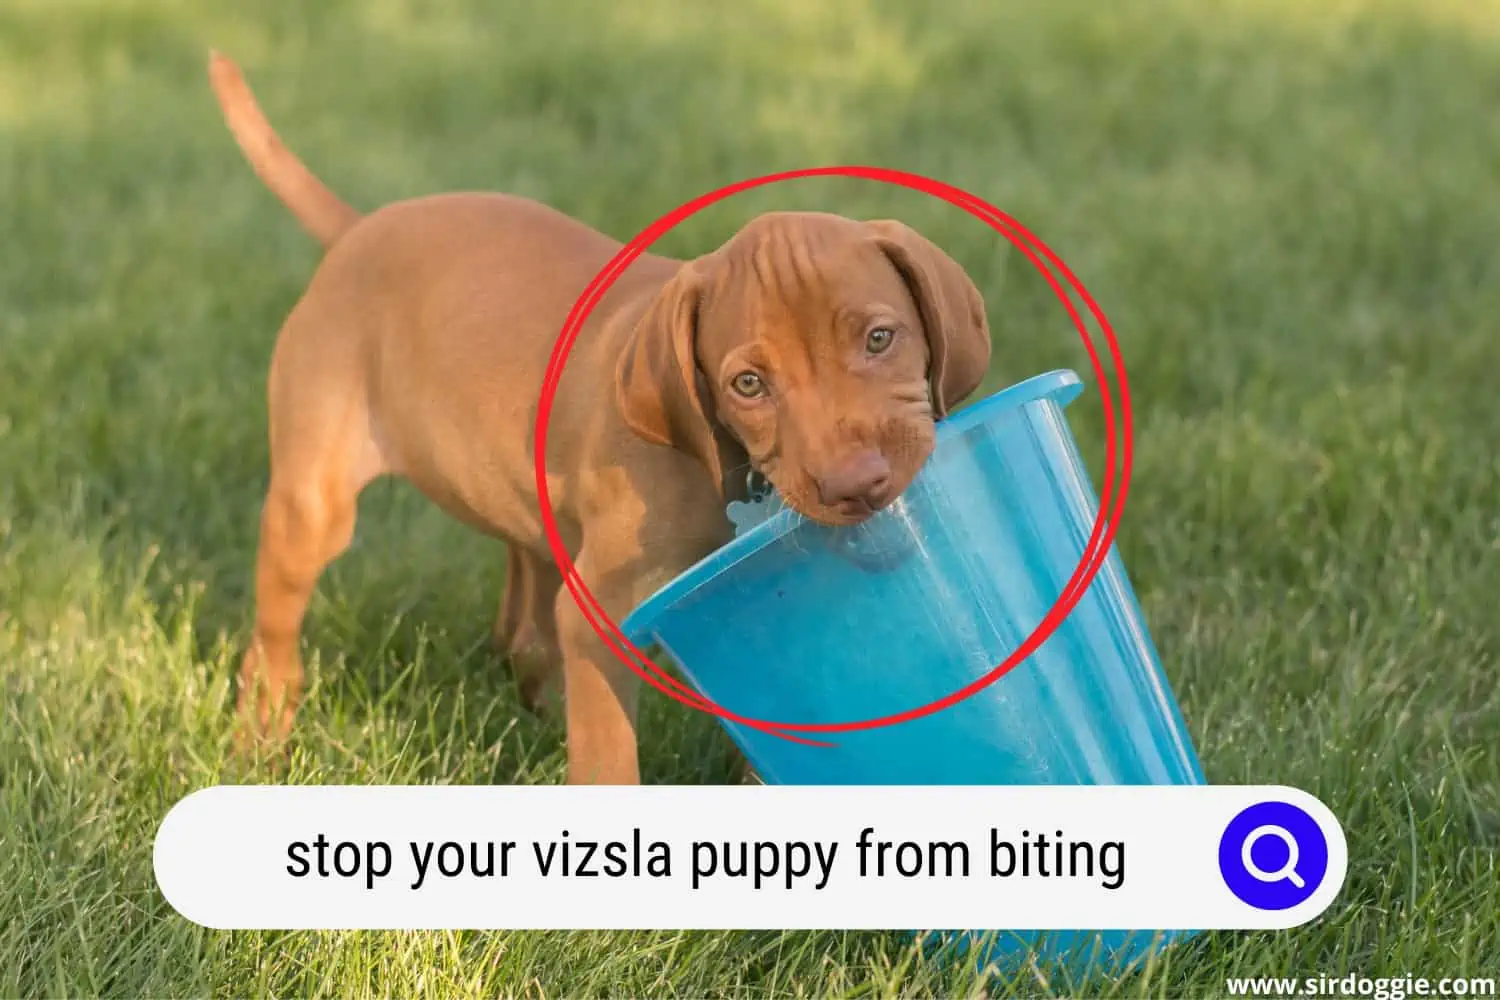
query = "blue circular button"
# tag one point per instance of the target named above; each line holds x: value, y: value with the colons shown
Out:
x: 1273, y: 855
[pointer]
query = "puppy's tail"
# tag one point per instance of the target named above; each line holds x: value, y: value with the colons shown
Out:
x: 320, y: 211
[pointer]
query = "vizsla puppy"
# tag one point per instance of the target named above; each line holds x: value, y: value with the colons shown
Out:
x: 814, y: 349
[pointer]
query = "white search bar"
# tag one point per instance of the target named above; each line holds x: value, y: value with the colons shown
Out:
x: 770, y: 857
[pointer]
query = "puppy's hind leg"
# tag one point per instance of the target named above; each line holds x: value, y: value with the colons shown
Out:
x: 526, y: 629
x: 509, y: 618
x: 322, y: 456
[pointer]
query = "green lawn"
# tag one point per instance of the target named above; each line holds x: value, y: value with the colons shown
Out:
x: 1290, y: 211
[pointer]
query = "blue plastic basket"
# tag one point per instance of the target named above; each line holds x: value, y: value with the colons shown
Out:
x: 797, y: 622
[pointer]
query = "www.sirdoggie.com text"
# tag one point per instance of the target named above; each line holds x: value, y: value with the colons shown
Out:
x: 763, y: 864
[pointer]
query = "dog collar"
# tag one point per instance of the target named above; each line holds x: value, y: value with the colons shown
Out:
x: 760, y: 503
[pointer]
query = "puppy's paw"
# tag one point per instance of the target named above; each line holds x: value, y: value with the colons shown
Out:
x: 535, y: 668
x: 256, y: 752
x: 262, y: 733
x: 537, y: 692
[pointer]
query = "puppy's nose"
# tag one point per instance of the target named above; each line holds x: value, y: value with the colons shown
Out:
x: 861, y: 480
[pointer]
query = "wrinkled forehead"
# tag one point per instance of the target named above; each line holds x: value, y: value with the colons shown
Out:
x: 811, y: 273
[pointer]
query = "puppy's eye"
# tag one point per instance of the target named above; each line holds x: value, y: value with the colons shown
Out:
x: 748, y: 384
x: 879, y: 340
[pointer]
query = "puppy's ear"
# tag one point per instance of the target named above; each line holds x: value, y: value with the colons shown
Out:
x: 658, y: 388
x: 958, y: 334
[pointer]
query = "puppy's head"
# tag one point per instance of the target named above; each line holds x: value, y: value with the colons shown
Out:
x: 814, y: 349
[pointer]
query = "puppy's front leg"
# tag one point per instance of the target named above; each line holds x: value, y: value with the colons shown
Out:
x: 625, y: 561
x: 601, y: 694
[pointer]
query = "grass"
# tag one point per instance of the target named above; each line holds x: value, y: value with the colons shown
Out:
x: 1288, y: 210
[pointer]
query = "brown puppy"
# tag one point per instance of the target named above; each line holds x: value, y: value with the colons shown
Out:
x: 815, y: 349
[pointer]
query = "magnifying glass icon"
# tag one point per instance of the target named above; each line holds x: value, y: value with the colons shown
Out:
x: 1288, y: 871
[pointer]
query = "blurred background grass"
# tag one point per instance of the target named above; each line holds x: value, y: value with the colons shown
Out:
x: 1290, y: 212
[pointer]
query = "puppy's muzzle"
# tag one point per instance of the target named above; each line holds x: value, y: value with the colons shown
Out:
x: 858, y: 486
